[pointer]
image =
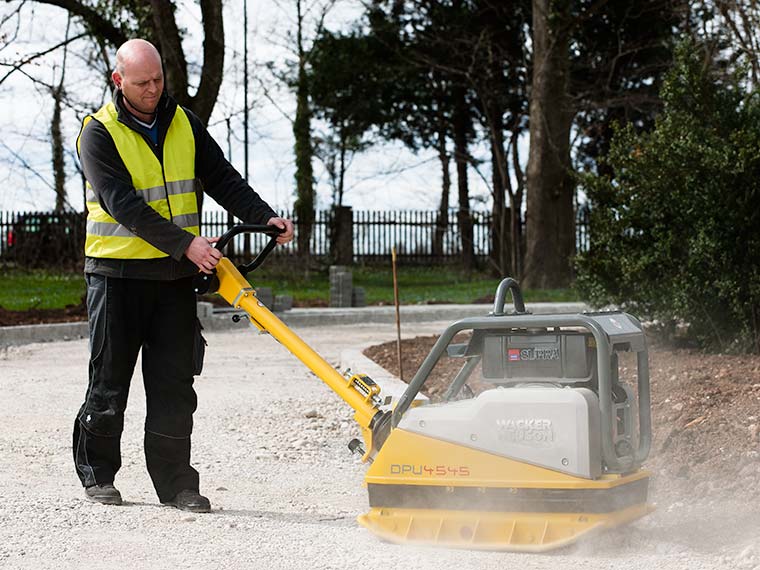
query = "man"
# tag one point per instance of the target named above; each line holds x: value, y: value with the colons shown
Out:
x: 147, y: 162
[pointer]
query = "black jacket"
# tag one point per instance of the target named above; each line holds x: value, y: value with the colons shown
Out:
x: 112, y: 183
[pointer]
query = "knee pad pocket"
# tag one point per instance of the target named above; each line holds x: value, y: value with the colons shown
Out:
x: 107, y: 422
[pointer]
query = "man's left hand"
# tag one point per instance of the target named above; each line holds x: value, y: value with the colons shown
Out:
x: 284, y: 224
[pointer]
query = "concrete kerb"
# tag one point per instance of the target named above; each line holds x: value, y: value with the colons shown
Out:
x: 221, y: 319
x: 408, y: 313
x: 27, y: 334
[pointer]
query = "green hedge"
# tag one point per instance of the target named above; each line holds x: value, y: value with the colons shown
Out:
x: 676, y: 231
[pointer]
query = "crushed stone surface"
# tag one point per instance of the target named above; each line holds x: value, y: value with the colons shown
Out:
x: 270, y: 445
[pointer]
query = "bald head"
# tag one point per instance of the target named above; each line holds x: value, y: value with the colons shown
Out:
x: 140, y: 77
x: 136, y: 52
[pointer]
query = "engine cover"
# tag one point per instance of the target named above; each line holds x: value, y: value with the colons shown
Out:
x: 548, y: 426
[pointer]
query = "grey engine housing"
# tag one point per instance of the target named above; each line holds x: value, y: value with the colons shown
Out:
x: 544, y: 425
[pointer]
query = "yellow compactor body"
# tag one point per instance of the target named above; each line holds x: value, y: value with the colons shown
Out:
x: 427, y: 491
x: 550, y: 452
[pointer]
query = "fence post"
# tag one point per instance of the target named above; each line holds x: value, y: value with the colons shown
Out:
x: 343, y: 236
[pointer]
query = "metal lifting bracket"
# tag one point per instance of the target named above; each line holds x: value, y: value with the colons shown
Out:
x: 367, y: 387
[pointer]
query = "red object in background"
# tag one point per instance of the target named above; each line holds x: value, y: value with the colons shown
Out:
x: 11, y: 239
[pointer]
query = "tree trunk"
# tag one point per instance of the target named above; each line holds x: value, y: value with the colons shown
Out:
x: 464, y: 217
x: 515, y: 210
x: 500, y: 238
x: 212, y: 72
x: 341, y: 236
x: 167, y: 37
x: 56, y: 138
x: 442, y: 218
x: 342, y: 176
x: 304, y: 203
x: 489, y: 93
x: 56, y: 141
x: 550, y: 220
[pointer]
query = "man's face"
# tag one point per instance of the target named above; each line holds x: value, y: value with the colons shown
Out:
x: 142, y: 83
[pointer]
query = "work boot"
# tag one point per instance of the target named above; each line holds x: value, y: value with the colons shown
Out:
x: 192, y: 501
x: 104, y: 493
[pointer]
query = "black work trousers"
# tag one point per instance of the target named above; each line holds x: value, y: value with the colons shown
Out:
x: 126, y: 315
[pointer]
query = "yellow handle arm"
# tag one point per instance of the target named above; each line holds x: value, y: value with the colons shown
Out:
x: 355, y: 391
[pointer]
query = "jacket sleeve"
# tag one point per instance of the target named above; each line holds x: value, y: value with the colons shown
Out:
x: 222, y: 182
x: 112, y: 184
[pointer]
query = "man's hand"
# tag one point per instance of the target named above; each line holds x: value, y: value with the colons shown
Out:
x: 284, y: 224
x: 202, y: 254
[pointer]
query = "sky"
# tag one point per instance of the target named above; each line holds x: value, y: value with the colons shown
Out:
x: 385, y: 177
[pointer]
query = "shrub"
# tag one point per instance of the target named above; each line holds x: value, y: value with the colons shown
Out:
x: 676, y: 229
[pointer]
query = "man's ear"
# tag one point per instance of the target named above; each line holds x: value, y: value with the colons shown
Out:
x: 117, y: 79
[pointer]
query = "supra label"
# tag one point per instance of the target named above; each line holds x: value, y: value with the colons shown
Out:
x: 536, y: 432
x: 429, y: 470
x: 534, y: 353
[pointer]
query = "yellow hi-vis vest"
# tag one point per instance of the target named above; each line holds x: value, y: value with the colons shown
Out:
x: 169, y: 190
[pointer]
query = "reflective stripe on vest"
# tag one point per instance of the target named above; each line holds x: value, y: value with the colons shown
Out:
x: 171, y: 192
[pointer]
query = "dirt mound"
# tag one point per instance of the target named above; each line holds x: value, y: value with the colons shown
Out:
x: 705, y: 415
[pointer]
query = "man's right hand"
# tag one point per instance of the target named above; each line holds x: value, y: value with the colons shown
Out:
x: 202, y: 254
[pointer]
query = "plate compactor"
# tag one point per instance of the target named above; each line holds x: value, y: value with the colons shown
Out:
x: 550, y: 452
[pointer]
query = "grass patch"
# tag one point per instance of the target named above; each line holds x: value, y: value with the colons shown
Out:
x: 38, y: 289
x: 22, y: 290
x: 417, y: 285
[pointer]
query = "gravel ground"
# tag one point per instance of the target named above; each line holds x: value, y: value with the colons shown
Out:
x: 270, y: 444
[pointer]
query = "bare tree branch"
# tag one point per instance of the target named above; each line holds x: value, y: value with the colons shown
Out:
x: 17, y: 13
x: 66, y: 100
x: 13, y: 12
x: 742, y: 21
x: 97, y: 24
x: 26, y: 165
x: 17, y: 66
x: 268, y: 97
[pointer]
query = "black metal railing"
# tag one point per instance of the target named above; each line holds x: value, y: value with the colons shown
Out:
x: 45, y: 239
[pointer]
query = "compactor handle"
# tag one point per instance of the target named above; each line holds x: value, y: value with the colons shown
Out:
x: 205, y: 283
x: 273, y: 231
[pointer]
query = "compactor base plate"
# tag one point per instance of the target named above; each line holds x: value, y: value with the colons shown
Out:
x: 518, y: 532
